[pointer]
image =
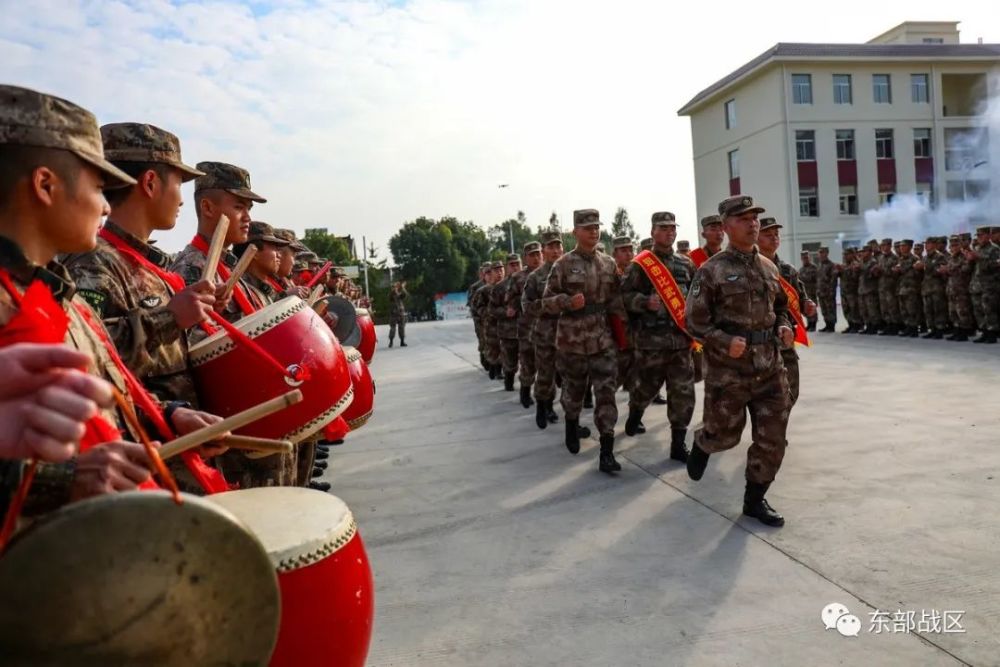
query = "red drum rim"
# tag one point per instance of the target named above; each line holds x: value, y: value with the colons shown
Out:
x: 253, y: 325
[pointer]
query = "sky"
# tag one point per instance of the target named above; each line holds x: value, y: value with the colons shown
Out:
x: 360, y: 115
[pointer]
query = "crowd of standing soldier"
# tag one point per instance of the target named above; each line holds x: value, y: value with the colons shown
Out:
x: 944, y: 287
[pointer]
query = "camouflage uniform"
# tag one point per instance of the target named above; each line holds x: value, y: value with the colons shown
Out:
x: 933, y: 289
x: 888, y: 289
x: 826, y: 289
x: 491, y: 336
x: 908, y: 292
x: 525, y: 322
x: 397, y: 314
x: 506, y: 328
x: 789, y: 355
x: 957, y: 289
x: 850, y: 278
x: 868, y: 294
x: 543, y: 333
x: 809, y: 275
x: 988, y: 268
x: 477, y: 323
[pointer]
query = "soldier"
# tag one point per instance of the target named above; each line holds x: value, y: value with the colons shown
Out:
x: 888, y: 289
x: 646, y: 244
x: 506, y: 317
x: 908, y: 289
x: 265, y: 263
x: 986, y: 276
x: 850, y: 279
x: 958, y: 272
x: 684, y: 248
x: 583, y: 290
x: 868, y: 291
x: 624, y: 253
x: 711, y: 231
x: 826, y: 290
x: 491, y: 335
x: 397, y: 312
x: 933, y: 289
x: 283, y: 279
x: 543, y: 334
x: 738, y: 310
x: 653, y: 291
x: 809, y: 275
x: 476, y: 321
x: 525, y: 320
x: 918, y: 252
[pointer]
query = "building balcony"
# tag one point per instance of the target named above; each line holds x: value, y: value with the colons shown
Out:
x: 963, y: 95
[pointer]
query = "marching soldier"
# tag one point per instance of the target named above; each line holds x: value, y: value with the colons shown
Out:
x: 646, y: 244
x: 888, y: 289
x: 739, y: 311
x: 506, y: 317
x: 918, y: 252
x: 491, y: 338
x: 908, y: 289
x: 711, y: 231
x: 826, y: 289
x: 684, y: 248
x: 986, y: 276
x: 868, y: 291
x: 809, y: 275
x: 584, y: 291
x: 525, y: 320
x: 624, y: 253
x: 654, y: 291
x: 477, y: 323
x: 850, y: 279
x: 397, y: 312
x: 933, y: 289
x: 959, y: 273
x: 543, y: 334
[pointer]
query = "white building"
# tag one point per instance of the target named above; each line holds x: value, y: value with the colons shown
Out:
x: 818, y: 133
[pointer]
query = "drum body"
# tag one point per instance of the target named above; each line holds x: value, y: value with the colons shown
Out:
x: 359, y: 411
x: 368, y: 337
x: 327, y: 593
x: 231, y: 378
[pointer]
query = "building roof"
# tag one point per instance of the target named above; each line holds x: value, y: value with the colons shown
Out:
x: 790, y: 51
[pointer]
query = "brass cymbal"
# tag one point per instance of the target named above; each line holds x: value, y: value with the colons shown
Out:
x: 132, y: 578
x: 346, y: 329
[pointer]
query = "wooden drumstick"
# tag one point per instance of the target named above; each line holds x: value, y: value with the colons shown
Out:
x: 316, y: 294
x: 258, y: 444
x: 239, y: 420
x: 240, y: 268
x: 215, y: 249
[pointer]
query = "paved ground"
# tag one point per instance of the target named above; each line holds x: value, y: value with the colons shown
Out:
x: 492, y: 545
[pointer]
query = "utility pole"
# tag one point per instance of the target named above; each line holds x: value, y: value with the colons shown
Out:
x: 364, y: 253
x: 510, y: 228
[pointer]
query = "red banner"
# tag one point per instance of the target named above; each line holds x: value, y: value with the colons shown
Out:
x: 666, y: 288
x: 801, y: 337
x: 698, y: 256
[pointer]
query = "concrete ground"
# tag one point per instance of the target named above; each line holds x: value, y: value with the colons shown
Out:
x: 492, y: 545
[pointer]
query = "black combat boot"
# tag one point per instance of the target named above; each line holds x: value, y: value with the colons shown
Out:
x: 914, y: 333
x: 633, y: 421
x: 660, y: 399
x: 322, y: 454
x: 889, y: 330
x: 508, y: 382
x: 640, y: 428
x: 607, y: 460
x: 321, y: 465
x: 482, y: 360
x: 588, y: 399
x: 934, y: 334
x: 526, y: 401
x: 319, y: 486
x: 550, y: 412
x: 678, y: 450
x: 697, y: 462
x: 493, y: 371
x: 582, y: 431
x: 754, y: 505
x: 402, y: 342
x: 498, y: 372
x: 317, y: 472
x: 390, y: 342
x: 829, y: 328
x: 541, y: 414
x: 572, y: 436
x: 989, y: 337
x: 959, y: 335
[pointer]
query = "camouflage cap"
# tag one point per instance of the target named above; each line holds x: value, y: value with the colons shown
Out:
x: 586, y: 217
x: 664, y: 219
x: 261, y: 231
x: 293, y: 241
x: 30, y: 118
x: 221, y: 176
x: 307, y: 256
x: 908, y: 242
x: 805, y: 253
x: 769, y: 223
x: 885, y: 242
x: 954, y: 238
x: 316, y: 259
x: 513, y: 257
x: 486, y: 266
x: 552, y: 236
x: 822, y: 248
x: 738, y: 205
x: 710, y: 220
x: 496, y: 265
x: 985, y: 229
x: 966, y: 236
x: 683, y: 245
x: 866, y: 248
x: 141, y: 142
x: 532, y: 246
x: 622, y: 242
x: 646, y: 244
x: 850, y: 250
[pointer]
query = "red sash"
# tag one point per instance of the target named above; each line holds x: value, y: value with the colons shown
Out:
x: 242, y: 299
x: 801, y: 337
x: 666, y: 288
x: 276, y: 285
x: 698, y: 256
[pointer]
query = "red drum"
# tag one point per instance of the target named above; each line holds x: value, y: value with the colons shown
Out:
x: 230, y: 378
x: 368, y: 337
x: 360, y: 410
x: 327, y: 593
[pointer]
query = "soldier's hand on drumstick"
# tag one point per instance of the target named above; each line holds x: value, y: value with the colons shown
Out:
x: 737, y: 346
x: 222, y: 297
x: 186, y: 420
x: 45, y: 400
x: 297, y: 290
x: 653, y: 303
x: 193, y: 304
x: 577, y: 301
x: 786, y: 335
x: 108, y: 468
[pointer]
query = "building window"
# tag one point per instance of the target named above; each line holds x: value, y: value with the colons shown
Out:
x: 922, y: 142
x: 965, y: 148
x: 881, y: 89
x: 925, y: 193
x: 885, y: 198
x: 848, y: 200
x: 805, y: 145
x: 802, y: 89
x: 967, y: 190
x: 883, y: 145
x: 920, y: 88
x: 845, y: 144
x: 734, y: 164
x: 933, y: 40
x: 808, y: 203
x: 842, y: 89
x: 730, y: 108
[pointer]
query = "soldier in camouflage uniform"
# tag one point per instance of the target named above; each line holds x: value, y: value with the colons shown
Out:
x: 888, y: 289
x: 918, y: 252
x: 506, y: 317
x: 287, y: 258
x: 525, y: 320
x: 684, y: 248
x: 491, y: 336
x: 850, y: 278
x: 646, y: 244
x: 476, y: 321
x: 809, y: 275
x: 543, y: 334
x: 397, y: 312
x: 583, y: 290
x: 738, y: 310
x: 958, y: 271
x: 933, y: 289
x: 986, y: 277
x: 263, y: 268
x: 908, y: 289
x: 868, y: 291
x: 826, y: 289
x: 623, y: 252
x: 663, y: 349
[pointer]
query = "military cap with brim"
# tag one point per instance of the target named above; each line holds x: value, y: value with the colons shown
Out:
x: 622, y: 242
x: 293, y: 241
x: 532, y: 246
x: 885, y: 242
x: 513, y: 257
x: 769, y: 223
x: 586, y: 217
x: 683, y: 245
x: 496, y: 265
x: 806, y: 252
x: 954, y: 238
x: 646, y: 244
x: 551, y: 237
x: 822, y: 248
x: 966, y: 236
x: 738, y: 205
x: 985, y: 229
x: 908, y: 242
x: 710, y: 220
x: 261, y: 231
x: 307, y: 256
x: 222, y: 176
x: 486, y: 266
x: 30, y: 118
x: 664, y: 218
x: 142, y: 142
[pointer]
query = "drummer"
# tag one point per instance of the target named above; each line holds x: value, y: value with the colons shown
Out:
x: 284, y: 277
x: 262, y: 273
x: 52, y: 172
x: 302, y: 274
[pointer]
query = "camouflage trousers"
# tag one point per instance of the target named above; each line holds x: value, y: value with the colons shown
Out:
x: 791, y: 359
x: 936, y: 310
x: 397, y: 321
x: 545, y: 372
x: 852, y: 307
x: 911, y: 309
x: 871, y: 312
x: 888, y: 304
x: 526, y: 362
x: 728, y: 397
x: 828, y: 305
x: 508, y: 354
x: 698, y: 358
x: 676, y: 367
x: 306, y: 457
x: 602, y: 371
x: 626, y: 369
x: 479, y: 335
x: 250, y: 473
x: 960, y: 311
x: 991, y: 309
x: 491, y: 343
x: 977, y: 309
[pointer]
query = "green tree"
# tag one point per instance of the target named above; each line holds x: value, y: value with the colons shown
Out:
x: 329, y: 246
x: 499, y: 236
x: 428, y: 258
x: 622, y: 226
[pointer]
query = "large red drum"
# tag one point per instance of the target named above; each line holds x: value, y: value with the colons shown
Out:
x: 368, y: 337
x: 359, y: 411
x: 231, y: 378
x: 327, y: 593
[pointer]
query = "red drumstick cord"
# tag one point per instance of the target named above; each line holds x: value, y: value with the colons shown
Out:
x: 241, y: 338
x: 154, y: 456
x: 16, y: 503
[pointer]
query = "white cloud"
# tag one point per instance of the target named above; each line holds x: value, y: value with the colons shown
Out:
x: 360, y: 115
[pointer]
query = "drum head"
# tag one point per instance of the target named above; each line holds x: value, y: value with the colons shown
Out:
x: 132, y: 578
x: 346, y: 328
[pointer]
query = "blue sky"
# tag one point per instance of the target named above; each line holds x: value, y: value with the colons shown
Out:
x: 361, y: 115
